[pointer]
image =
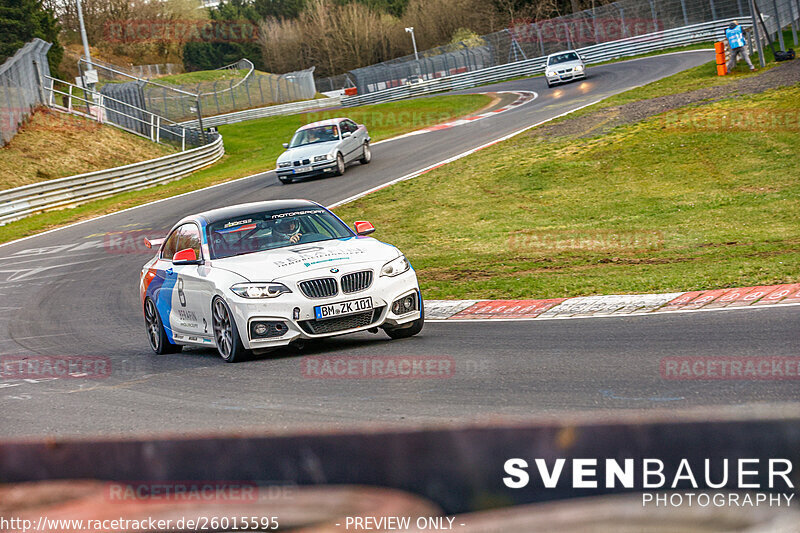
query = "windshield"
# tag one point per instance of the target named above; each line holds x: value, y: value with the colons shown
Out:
x: 563, y: 58
x: 267, y: 230
x: 318, y: 134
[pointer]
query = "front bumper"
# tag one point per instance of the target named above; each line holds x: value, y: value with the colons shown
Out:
x: 383, y: 291
x: 323, y: 167
x: 565, y: 77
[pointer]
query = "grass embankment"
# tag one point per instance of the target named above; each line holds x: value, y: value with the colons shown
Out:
x: 252, y: 147
x: 700, y: 77
x: 55, y: 145
x: 649, y: 207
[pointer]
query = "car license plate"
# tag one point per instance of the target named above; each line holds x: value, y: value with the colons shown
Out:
x: 321, y: 312
x: 302, y: 169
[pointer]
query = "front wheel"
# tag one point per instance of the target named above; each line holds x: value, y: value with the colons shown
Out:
x: 226, y: 334
x: 367, y: 157
x: 155, y: 330
x: 407, y: 331
x: 339, y: 164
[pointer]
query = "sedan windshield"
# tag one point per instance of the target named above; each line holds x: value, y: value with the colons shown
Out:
x: 267, y: 230
x: 317, y: 134
x: 563, y: 58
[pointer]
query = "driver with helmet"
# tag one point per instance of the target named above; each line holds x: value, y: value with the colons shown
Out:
x: 287, y: 229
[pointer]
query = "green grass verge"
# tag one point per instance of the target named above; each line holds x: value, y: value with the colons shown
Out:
x: 253, y: 146
x: 699, y: 77
x: 646, y: 208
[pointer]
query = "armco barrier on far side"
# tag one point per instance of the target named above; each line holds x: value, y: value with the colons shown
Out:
x: 73, y: 190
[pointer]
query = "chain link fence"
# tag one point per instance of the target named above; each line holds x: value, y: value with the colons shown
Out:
x: 20, y: 92
x: 525, y: 39
x: 244, y: 89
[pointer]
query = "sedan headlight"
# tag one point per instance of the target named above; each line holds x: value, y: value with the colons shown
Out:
x: 285, y: 164
x: 578, y: 68
x: 395, y: 267
x: 326, y: 157
x: 259, y: 290
x: 550, y: 73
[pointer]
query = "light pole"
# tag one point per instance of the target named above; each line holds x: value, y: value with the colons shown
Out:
x: 85, y: 46
x: 410, y: 30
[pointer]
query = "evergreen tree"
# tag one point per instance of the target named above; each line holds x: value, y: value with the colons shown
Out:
x: 21, y: 21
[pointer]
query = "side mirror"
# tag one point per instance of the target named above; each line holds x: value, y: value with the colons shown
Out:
x: 286, y: 145
x: 185, y: 257
x: 364, y: 228
x: 346, y: 134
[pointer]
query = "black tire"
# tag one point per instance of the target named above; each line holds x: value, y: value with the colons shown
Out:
x: 408, y: 331
x: 367, y: 157
x: 226, y: 334
x: 549, y: 85
x: 155, y: 330
x: 285, y: 181
x: 340, y: 168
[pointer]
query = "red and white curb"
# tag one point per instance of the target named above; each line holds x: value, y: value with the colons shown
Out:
x: 523, y: 97
x: 613, y: 305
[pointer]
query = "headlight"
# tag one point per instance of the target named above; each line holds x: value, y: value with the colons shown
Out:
x: 259, y: 290
x: 550, y: 73
x: 395, y: 267
x: 325, y: 157
x: 285, y: 164
x: 578, y: 68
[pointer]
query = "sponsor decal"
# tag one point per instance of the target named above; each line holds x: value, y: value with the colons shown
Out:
x: 237, y: 223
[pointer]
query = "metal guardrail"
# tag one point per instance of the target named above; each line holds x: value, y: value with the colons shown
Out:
x: 269, y: 111
x: 95, y: 106
x: 697, y: 33
x: 74, y: 190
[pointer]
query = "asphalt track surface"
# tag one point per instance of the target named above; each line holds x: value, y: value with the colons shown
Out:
x: 66, y: 293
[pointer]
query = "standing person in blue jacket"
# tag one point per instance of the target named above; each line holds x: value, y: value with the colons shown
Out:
x: 738, y: 45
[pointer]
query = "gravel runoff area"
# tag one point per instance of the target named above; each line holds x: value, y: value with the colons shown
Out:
x: 603, y: 120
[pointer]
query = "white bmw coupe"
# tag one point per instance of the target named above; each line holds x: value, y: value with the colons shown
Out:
x: 263, y: 275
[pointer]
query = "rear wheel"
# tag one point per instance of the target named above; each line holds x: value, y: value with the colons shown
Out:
x: 339, y: 164
x: 226, y: 334
x: 367, y: 157
x: 155, y: 330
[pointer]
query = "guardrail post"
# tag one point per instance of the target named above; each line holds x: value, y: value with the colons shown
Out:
x: 152, y: 126
x: 158, y: 129
x: 541, y: 40
x: 183, y: 139
x: 756, y: 32
x: 778, y: 22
